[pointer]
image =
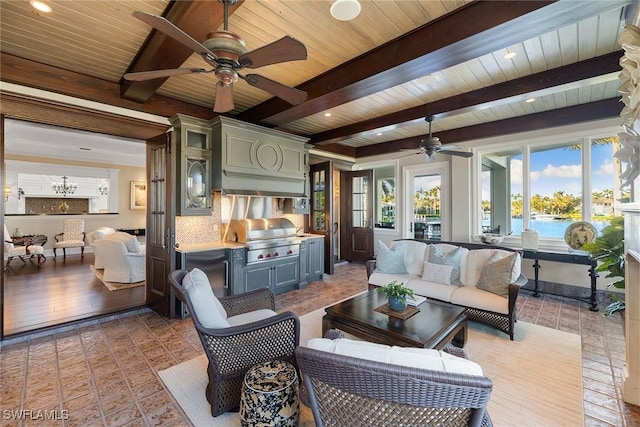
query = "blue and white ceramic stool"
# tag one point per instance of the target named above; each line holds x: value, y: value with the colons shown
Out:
x: 270, y: 395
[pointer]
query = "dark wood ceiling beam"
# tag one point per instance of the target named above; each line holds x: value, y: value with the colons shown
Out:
x: 41, y: 76
x: 471, y: 31
x: 582, y: 70
x: 26, y: 108
x: 159, y: 52
x: 598, y: 110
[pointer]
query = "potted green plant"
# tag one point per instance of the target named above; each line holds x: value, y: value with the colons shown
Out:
x: 608, y: 249
x: 397, y: 294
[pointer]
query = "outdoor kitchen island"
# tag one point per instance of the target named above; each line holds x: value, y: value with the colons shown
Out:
x: 256, y: 253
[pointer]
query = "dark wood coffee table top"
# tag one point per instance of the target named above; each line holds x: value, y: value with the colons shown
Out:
x: 434, y: 326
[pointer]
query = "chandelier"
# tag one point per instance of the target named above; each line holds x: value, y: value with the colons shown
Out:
x: 65, y: 187
x: 103, y: 188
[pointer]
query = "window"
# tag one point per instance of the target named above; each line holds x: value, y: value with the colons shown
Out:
x: 541, y: 186
x: 385, y: 202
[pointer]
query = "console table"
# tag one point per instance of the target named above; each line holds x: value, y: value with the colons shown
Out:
x: 582, y: 258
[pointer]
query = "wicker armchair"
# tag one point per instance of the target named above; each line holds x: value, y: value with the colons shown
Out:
x: 346, y: 391
x: 232, y: 351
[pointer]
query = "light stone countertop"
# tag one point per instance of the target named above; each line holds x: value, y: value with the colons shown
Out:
x: 207, y: 246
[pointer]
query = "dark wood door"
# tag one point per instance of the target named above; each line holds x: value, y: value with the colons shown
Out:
x: 160, y: 233
x: 321, y: 209
x: 356, y: 211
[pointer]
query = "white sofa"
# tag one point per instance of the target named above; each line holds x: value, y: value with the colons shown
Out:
x: 123, y: 258
x: 483, y: 279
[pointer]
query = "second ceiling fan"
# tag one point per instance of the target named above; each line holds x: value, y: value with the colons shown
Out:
x: 226, y: 52
x: 432, y: 145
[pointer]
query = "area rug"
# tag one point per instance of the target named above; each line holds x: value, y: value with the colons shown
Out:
x: 115, y: 286
x: 537, y: 378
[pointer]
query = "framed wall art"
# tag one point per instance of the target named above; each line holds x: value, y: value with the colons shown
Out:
x: 138, y: 195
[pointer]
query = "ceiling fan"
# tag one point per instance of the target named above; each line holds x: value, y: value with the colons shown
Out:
x: 227, y: 53
x: 432, y: 145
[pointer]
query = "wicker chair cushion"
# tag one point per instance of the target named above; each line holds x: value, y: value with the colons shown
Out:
x: 422, y: 358
x: 390, y: 260
x: 131, y: 242
x: 251, y: 316
x: 206, y: 306
x: 495, y: 276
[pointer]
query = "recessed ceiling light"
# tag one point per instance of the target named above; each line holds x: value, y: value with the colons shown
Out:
x: 509, y: 55
x: 345, y: 10
x: 529, y: 100
x: 427, y: 80
x: 327, y: 114
x: 40, y: 6
x: 379, y: 134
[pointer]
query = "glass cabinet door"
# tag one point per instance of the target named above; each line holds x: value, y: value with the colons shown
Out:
x: 196, y: 189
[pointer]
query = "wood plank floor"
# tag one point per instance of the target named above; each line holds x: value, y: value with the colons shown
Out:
x: 60, y: 291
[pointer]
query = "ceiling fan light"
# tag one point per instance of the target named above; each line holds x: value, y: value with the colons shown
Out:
x: 345, y: 10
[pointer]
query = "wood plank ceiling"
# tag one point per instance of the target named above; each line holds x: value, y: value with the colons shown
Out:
x: 366, y: 73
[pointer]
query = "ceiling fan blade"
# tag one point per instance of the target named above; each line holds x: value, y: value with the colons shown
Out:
x: 410, y: 154
x: 224, y: 98
x: 455, y: 152
x: 459, y: 153
x: 165, y: 26
x: 156, y: 74
x: 283, y: 50
x: 292, y: 95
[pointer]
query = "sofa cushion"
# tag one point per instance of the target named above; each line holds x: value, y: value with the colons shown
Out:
x: 206, y: 306
x: 413, y: 255
x: 381, y: 279
x: 421, y: 358
x: 452, y: 258
x: 431, y: 289
x: 130, y: 241
x: 390, y: 260
x: 495, y: 276
x: 470, y: 296
x: 438, y: 273
x: 478, y: 258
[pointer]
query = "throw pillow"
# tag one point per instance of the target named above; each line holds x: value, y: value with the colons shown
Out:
x: 390, y: 261
x: 437, y: 273
x: 208, y: 310
x: 130, y: 241
x: 436, y: 256
x: 495, y: 276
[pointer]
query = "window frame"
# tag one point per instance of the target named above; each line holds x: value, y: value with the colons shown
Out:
x: 517, y: 142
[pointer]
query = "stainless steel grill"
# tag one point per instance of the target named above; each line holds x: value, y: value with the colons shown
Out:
x: 265, y: 238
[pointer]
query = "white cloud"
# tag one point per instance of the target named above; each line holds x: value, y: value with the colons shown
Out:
x: 562, y: 171
x: 606, y: 168
x: 516, y: 172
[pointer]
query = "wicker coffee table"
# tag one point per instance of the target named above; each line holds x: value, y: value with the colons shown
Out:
x: 435, y: 325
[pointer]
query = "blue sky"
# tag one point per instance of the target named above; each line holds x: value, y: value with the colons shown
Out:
x: 560, y: 170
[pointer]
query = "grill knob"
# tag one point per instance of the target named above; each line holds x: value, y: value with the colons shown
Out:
x: 289, y: 252
x: 276, y: 254
x: 260, y: 256
x: 268, y: 255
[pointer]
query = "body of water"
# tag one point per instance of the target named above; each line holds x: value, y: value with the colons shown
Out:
x: 551, y: 228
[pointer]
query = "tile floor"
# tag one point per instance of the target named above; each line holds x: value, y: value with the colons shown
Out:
x: 104, y: 373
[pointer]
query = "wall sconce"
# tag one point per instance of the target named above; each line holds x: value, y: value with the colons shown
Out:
x: 20, y: 193
x: 7, y: 192
x: 103, y: 188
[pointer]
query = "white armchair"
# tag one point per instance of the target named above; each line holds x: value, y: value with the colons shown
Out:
x: 120, y: 264
x: 72, y: 236
x: 94, y: 235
